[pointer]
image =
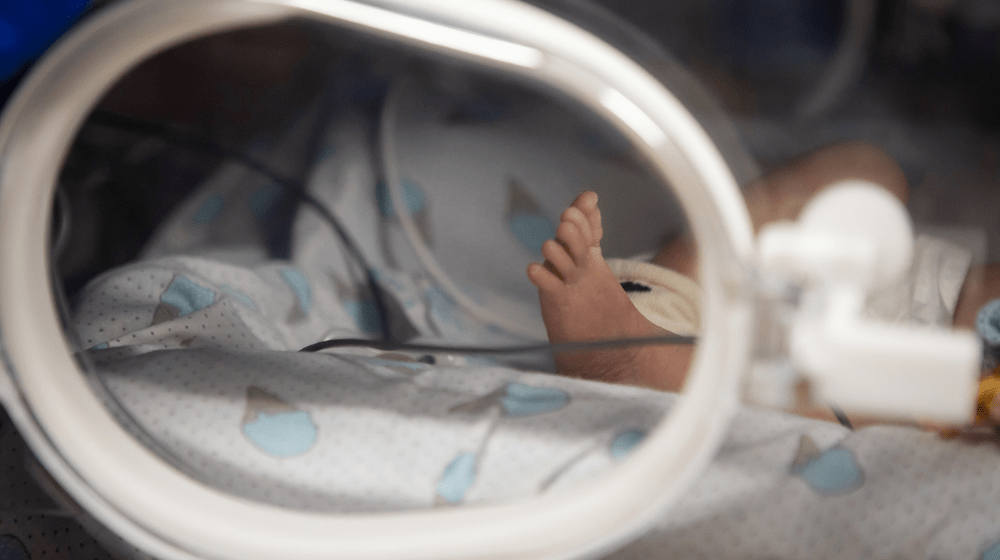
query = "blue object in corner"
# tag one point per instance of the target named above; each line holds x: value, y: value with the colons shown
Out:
x: 988, y: 323
x: 28, y: 27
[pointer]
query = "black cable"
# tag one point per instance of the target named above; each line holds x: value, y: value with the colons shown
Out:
x: 500, y: 350
x: 183, y: 138
x: 841, y: 417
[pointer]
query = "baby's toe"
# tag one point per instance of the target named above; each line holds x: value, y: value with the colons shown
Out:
x: 576, y: 243
x: 593, y: 216
x: 543, y: 278
x: 556, y: 255
x: 586, y: 203
x: 574, y: 216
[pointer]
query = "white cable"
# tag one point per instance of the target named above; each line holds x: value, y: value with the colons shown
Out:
x: 394, y: 186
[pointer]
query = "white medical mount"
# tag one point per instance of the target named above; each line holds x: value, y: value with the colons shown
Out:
x: 835, y: 255
x: 850, y: 240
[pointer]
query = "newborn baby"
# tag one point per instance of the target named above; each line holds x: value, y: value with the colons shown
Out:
x: 584, y: 299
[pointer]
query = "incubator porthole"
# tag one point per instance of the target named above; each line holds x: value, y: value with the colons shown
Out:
x: 193, y: 263
x: 246, y: 194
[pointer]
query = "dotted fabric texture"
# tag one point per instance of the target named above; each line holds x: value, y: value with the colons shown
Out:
x: 880, y: 492
x: 32, y: 524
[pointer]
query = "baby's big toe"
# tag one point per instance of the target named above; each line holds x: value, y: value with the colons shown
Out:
x: 586, y: 203
x: 575, y: 217
x: 559, y: 259
x: 575, y: 239
x: 593, y: 216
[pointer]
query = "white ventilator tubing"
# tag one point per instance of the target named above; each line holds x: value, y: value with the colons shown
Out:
x: 387, y: 141
x: 140, y: 497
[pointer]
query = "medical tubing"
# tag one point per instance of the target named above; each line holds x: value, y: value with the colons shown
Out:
x: 194, y: 142
x: 393, y: 183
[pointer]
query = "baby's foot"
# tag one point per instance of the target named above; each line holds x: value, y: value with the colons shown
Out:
x: 583, y: 301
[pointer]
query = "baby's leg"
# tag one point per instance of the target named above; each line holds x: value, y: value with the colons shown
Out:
x: 783, y: 194
x: 582, y: 301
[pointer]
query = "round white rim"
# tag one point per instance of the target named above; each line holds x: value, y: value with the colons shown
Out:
x: 150, y: 504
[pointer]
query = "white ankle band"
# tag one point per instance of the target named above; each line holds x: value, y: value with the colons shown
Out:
x: 673, y: 301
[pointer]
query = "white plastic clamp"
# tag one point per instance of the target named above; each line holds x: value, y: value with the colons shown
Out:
x: 851, y: 239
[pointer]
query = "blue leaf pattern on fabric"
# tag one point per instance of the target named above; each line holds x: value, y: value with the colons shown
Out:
x: 525, y: 400
x: 833, y: 472
x: 210, y: 209
x: 365, y: 315
x: 532, y: 230
x: 457, y: 478
x: 186, y: 296
x: 993, y: 552
x: 412, y: 195
x: 300, y: 285
x: 626, y: 442
x: 284, y: 434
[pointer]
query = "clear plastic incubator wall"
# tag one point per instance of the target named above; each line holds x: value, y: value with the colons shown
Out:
x: 426, y: 279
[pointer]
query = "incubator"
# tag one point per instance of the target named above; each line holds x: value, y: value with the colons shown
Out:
x: 375, y: 186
